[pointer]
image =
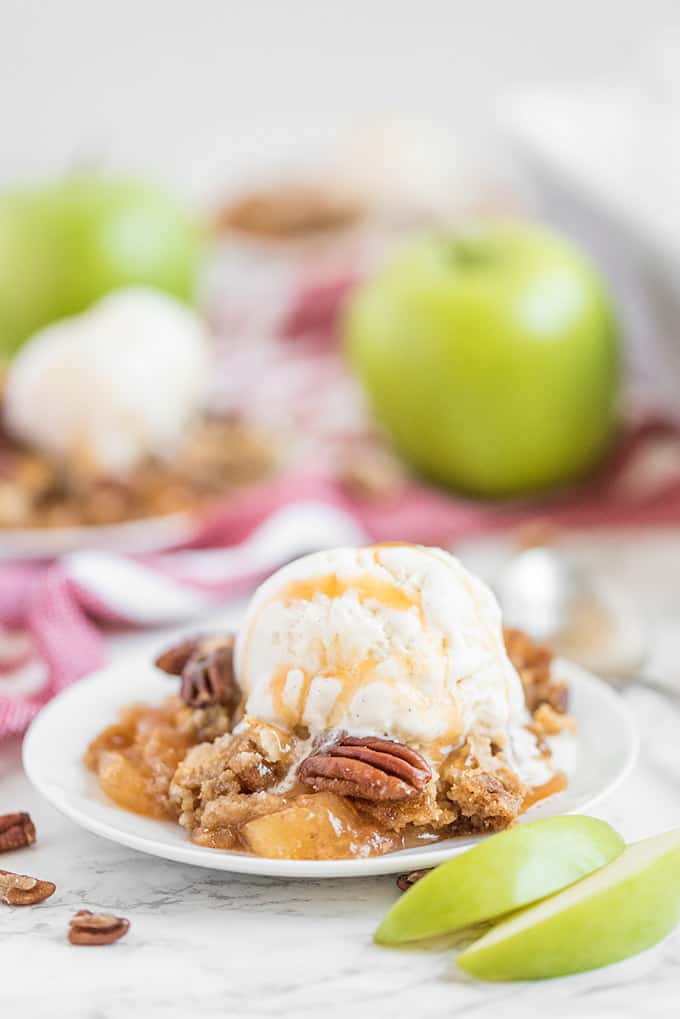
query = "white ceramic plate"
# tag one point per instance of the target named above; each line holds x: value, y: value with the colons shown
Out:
x: 134, y: 537
x: 54, y: 746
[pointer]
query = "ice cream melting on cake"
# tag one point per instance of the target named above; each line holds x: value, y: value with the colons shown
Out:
x: 393, y: 640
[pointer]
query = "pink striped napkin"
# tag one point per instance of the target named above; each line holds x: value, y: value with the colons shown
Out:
x: 51, y: 613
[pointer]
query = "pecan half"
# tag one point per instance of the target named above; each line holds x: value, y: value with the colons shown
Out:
x: 368, y: 768
x: 208, y: 678
x: 16, y: 831
x: 406, y: 881
x: 22, y: 890
x: 86, y: 928
x: 174, y: 658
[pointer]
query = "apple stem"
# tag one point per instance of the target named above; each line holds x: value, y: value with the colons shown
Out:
x: 467, y: 252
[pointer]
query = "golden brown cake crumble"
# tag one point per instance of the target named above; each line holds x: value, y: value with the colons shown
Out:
x: 219, y: 454
x: 534, y: 664
x: 261, y: 790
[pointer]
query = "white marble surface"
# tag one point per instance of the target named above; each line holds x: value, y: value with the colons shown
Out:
x: 205, y: 943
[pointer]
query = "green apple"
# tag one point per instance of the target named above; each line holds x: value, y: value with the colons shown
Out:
x: 610, y: 915
x: 65, y: 245
x: 490, y: 357
x: 501, y: 874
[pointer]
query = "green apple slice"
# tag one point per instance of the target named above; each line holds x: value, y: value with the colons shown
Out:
x: 619, y: 911
x: 501, y: 874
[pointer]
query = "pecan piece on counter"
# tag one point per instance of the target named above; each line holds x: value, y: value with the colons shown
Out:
x: 208, y: 678
x: 368, y: 768
x: 22, y: 890
x: 86, y: 928
x: 16, y: 831
x: 406, y: 881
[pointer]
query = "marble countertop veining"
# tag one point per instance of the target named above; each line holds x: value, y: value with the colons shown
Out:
x: 208, y: 943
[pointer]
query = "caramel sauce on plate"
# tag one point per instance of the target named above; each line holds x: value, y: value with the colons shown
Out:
x: 557, y: 784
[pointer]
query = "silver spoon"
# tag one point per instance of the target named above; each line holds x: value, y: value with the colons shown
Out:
x: 545, y: 593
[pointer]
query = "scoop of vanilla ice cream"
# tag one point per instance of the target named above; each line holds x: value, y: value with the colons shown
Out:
x: 396, y: 640
x: 105, y: 389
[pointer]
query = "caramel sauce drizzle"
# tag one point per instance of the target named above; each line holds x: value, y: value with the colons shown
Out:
x: 291, y: 714
x: 353, y: 675
x: 390, y: 544
x: 350, y: 677
x: 365, y: 587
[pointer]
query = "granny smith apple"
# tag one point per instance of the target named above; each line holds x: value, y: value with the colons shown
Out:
x: 65, y: 245
x: 490, y: 357
x: 503, y: 873
x: 612, y: 914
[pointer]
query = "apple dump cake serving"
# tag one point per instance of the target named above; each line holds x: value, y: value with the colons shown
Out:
x: 370, y: 702
x: 106, y: 418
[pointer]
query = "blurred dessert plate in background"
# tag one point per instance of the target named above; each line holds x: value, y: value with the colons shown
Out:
x: 108, y: 434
